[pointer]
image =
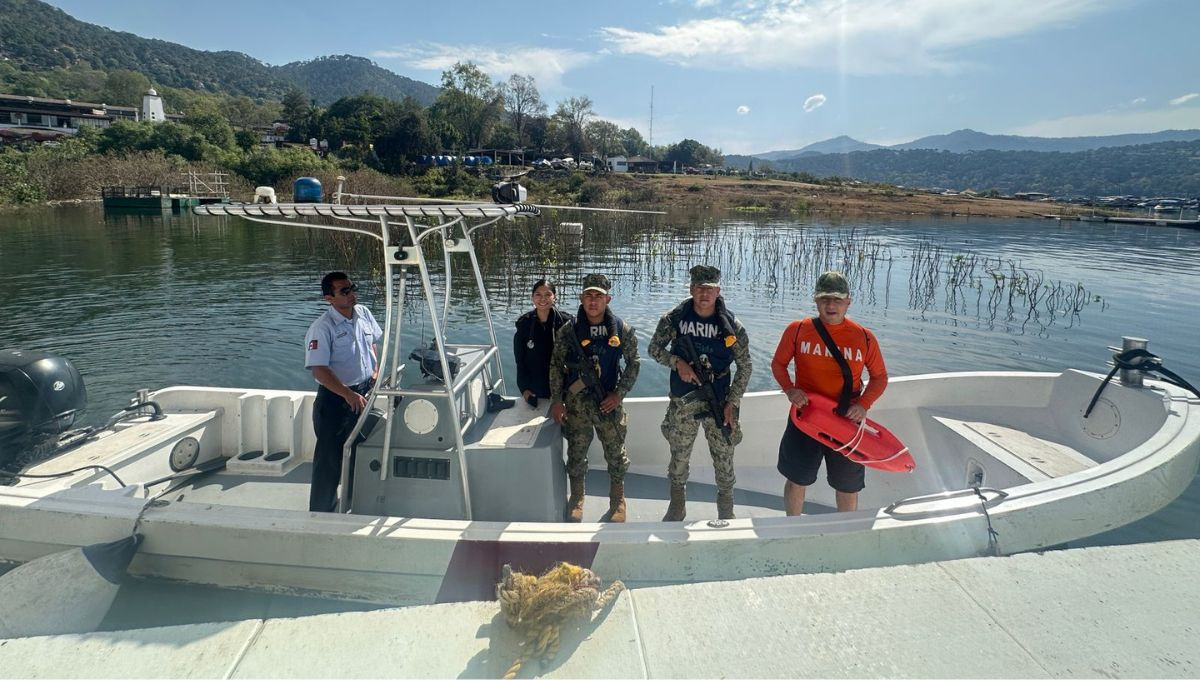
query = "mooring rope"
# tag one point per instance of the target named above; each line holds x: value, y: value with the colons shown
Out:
x: 538, y: 606
x: 993, y: 535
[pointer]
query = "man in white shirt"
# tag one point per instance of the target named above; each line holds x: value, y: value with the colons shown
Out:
x: 340, y: 352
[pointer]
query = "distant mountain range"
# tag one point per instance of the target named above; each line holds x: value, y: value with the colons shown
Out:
x: 1144, y: 164
x: 1159, y: 169
x: 841, y: 144
x: 36, y: 36
x: 963, y: 141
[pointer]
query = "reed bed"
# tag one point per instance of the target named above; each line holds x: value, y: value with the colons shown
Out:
x: 777, y: 260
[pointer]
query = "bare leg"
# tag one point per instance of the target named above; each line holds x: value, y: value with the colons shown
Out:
x: 793, y: 498
x: 846, y: 502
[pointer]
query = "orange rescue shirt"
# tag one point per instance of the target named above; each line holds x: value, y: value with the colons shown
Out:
x: 816, y: 368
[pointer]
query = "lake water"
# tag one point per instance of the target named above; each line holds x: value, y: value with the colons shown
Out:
x: 156, y: 300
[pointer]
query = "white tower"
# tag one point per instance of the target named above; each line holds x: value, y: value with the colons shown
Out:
x: 152, y: 107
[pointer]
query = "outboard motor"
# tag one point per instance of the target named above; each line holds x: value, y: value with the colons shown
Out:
x: 40, y: 397
x: 508, y: 192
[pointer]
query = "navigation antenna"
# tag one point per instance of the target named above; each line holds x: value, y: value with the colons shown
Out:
x: 651, y: 122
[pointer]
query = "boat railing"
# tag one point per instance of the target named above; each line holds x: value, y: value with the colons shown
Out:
x: 997, y: 497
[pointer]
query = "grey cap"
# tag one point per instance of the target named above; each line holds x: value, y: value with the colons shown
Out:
x: 596, y: 282
x: 704, y: 275
x: 832, y: 284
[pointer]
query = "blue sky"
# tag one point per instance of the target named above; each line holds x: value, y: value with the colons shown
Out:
x: 751, y: 76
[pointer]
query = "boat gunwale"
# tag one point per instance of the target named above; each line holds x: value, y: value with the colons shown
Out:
x: 1158, y: 447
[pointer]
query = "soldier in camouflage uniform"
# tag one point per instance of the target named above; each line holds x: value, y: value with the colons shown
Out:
x: 587, y: 386
x: 698, y: 340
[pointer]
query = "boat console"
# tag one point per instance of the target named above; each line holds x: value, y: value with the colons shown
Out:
x: 512, y: 467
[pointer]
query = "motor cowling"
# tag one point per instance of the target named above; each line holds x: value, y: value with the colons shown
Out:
x: 508, y: 193
x: 41, y: 395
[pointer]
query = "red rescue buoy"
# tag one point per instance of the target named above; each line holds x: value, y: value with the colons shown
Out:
x: 870, y: 444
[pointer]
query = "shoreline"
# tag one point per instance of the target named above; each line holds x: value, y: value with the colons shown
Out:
x: 735, y: 193
x: 740, y: 194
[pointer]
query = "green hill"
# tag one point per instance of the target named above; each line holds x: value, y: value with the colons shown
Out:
x: 35, y: 36
x: 328, y: 79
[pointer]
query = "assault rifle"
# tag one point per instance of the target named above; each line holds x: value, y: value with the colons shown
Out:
x: 704, y: 371
x: 589, y: 373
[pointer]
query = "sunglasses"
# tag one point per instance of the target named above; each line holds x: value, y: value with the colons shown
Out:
x: 346, y: 290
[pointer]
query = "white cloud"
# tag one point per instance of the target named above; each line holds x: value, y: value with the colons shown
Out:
x: 1184, y: 99
x: 870, y: 36
x: 1138, y: 102
x: 743, y: 110
x: 814, y: 102
x: 546, y: 65
x: 1114, y: 123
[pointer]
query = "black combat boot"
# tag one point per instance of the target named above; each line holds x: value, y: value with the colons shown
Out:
x: 677, y: 510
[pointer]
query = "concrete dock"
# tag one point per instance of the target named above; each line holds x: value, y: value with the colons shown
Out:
x: 1114, y: 611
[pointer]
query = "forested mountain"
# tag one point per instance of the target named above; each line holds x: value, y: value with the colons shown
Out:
x: 1167, y: 168
x: 969, y: 140
x: 35, y: 36
x: 328, y: 79
x: 842, y: 144
x: 961, y: 141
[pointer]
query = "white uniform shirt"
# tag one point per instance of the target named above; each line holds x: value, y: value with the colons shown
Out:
x: 344, y: 345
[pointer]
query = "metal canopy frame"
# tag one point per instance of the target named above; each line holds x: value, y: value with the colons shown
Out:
x: 455, y: 223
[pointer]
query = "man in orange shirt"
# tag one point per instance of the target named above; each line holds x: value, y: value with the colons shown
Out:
x: 817, y: 370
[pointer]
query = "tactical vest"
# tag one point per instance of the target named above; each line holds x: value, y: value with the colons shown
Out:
x: 599, y: 336
x: 708, y: 336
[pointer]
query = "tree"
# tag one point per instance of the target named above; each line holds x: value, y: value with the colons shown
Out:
x: 406, y: 134
x: 536, y: 129
x: 503, y: 137
x: 246, y: 139
x: 468, y: 107
x: 633, y: 144
x: 213, y: 127
x: 124, y: 136
x: 355, y: 120
x: 573, y: 114
x: 125, y: 88
x: 604, y: 137
x: 268, y: 167
x: 296, y: 111
x: 178, y: 140
x: 690, y: 152
x: 244, y: 112
x: 522, y: 100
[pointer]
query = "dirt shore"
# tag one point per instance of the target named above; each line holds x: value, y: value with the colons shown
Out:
x: 774, y: 195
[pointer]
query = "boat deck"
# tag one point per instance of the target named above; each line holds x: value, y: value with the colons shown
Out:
x: 646, y: 497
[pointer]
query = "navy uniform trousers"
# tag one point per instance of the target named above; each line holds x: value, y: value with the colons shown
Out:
x: 332, y: 421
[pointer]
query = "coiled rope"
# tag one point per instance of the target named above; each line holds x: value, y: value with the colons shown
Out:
x: 538, y: 606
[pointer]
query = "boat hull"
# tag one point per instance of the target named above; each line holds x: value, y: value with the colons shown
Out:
x: 1137, y: 467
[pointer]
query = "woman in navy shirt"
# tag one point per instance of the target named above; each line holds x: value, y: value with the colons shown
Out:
x: 534, y: 341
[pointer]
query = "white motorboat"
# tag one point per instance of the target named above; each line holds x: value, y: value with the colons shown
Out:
x: 445, y: 490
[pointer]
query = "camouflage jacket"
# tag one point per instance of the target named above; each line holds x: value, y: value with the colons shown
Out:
x: 565, y: 336
x: 660, y: 351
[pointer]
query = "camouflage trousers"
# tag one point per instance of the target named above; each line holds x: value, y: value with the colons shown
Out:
x: 584, y: 417
x: 680, y: 427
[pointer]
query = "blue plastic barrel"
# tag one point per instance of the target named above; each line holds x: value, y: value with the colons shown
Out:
x: 307, y: 190
x: 485, y: 160
x: 469, y: 160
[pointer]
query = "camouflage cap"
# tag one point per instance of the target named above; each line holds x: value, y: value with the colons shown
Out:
x: 832, y: 284
x: 596, y: 282
x: 704, y: 275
